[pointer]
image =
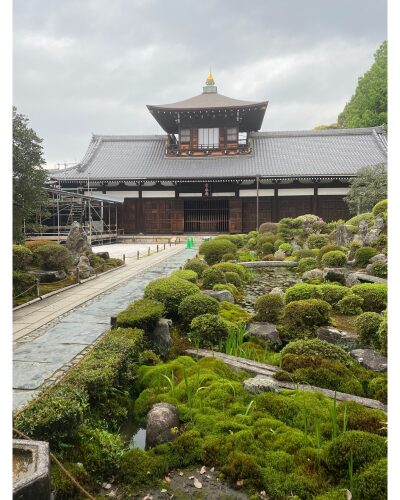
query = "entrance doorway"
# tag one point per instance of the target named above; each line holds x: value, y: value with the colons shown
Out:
x: 206, y: 216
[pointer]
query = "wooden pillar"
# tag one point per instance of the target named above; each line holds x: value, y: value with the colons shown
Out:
x: 315, y: 200
x: 139, y: 213
x: 235, y: 215
x: 275, y: 205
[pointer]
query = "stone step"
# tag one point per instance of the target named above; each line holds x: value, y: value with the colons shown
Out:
x: 264, y: 371
x: 370, y: 279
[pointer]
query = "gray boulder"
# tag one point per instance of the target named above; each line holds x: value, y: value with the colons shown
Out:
x: 313, y: 274
x: 351, y: 280
x: 77, y: 242
x: 161, y: 337
x: 347, y: 340
x: 335, y: 274
x: 370, y: 359
x: 265, y: 331
x: 49, y: 276
x: 261, y: 383
x: 103, y: 255
x: 277, y: 291
x: 162, y: 419
x: 380, y: 256
x: 221, y: 295
x: 343, y: 236
x: 85, y: 269
x: 370, y: 279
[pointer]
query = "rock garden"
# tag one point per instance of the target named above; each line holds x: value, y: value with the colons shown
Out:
x: 43, y: 266
x: 234, y: 380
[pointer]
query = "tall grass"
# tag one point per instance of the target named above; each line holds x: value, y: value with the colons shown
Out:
x: 333, y: 412
x: 236, y: 334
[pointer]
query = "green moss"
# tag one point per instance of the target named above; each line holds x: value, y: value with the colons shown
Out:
x: 302, y: 291
x: 64, y: 488
x: 143, y: 313
x: 360, y: 418
x: 334, y: 258
x: 371, y: 482
x: 381, y: 341
x: 374, y: 295
x: 302, y: 317
x: 186, y: 274
x: 268, y: 307
x: 170, y: 292
x: 330, y: 248
x: 243, y: 466
x: 381, y: 209
x: 233, y: 312
x: 379, y: 268
x: 138, y: 468
x: 367, y: 326
x: 195, y: 305
x: 152, y: 376
x: 196, y: 265
x: 368, y: 217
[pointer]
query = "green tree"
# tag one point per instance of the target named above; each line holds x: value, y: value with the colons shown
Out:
x: 326, y: 127
x: 28, y: 174
x: 369, y: 187
x: 368, y: 106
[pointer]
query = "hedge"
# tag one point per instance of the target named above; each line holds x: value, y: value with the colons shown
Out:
x: 186, y: 274
x: 196, y: 265
x: 170, y: 292
x: 143, y: 314
x: 213, y: 250
x: 53, y: 257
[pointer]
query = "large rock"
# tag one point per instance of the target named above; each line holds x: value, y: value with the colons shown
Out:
x: 221, y: 295
x: 103, y: 255
x: 85, y: 269
x: 162, y: 420
x: 265, y: 331
x: 77, y: 242
x: 370, y: 279
x: 337, y: 274
x: 261, y: 383
x: 343, y: 236
x: 351, y: 280
x: 370, y: 359
x: 313, y: 274
x: 347, y: 340
x: 161, y: 337
x: 380, y: 256
x: 49, y: 276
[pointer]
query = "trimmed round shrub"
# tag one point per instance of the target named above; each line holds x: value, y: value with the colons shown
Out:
x: 235, y: 268
x: 213, y: 250
x: 268, y: 227
x: 313, y: 349
x: 39, y: 243
x: 317, y: 240
x: 330, y: 248
x: 170, y: 292
x: 301, y: 317
x: 335, y: 258
x: 237, y: 294
x: 306, y: 264
x: 363, y: 255
x: 277, y: 244
x: 268, y: 307
x: 208, y: 330
x: 233, y: 278
x: 22, y: 282
x: 196, y: 265
x: 212, y: 276
x: 303, y: 253
x: 227, y: 257
x: 374, y: 295
x: 371, y: 482
x: 379, y: 268
x: 266, y: 238
x: 233, y: 313
x: 266, y: 248
x: 368, y: 217
x: 53, y: 257
x: 196, y: 305
x: 302, y: 291
x: 350, y: 304
x: 143, y: 313
x: 333, y: 293
x: 380, y: 209
x: 367, y: 326
x: 365, y: 448
x: 186, y: 274
x: 22, y: 257
x: 286, y: 247
x: 252, y: 243
x: 382, y: 336
x: 377, y: 388
x: 237, y: 239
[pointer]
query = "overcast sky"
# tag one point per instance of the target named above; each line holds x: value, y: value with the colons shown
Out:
x: 91, y: 66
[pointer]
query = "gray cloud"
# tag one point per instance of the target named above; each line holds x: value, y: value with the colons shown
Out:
x: 92, y: 65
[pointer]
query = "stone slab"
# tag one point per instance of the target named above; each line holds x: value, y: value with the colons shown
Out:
x: 31, y: 375
x: 347, y: 340
x: 370, y: 359
x: 20, y: 397
x: 370, y: 279
x: 45, y: 352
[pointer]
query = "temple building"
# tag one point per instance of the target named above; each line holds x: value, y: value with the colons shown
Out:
x: 212, y: 170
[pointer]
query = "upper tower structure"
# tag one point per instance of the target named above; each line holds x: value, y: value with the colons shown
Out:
x: 209, y: 123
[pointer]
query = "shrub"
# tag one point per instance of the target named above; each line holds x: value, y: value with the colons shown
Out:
x: 277, y: 244
x: 365, y: 448
x: 333, y: 293
x: 286, y: 247
x: 213, y: 250
x: 380, y: 209
x: 186, y: 274
x: 377, y: 388
x: 212, y: 276
x: 23, y: 282
x: 330, y: 248
x: 367, y: 325
x: 252, y: 243
x: 368, y: 217
x: 288, y: 228
x: 317, y: 240
x: 227, y: 257
x: 113, y: 262
x: 208, y: 330
x: 170, y: 292
x: 268, y: 307
x: 97, y: 262
x: 237, y: 239
x: 302, y: 291
x: 266, y: 248
x: 363, y: 255
x: 361, y: 418
x: 303, y: 253
x: 196, y: 265
x: 313, y: 349
x: 196, y: 305
x: 350, y: 304
x: 268, y: 227
x: 53, y: 257
x: 306, y: 264
x: 335, y: 258
x: 63, y: 487
x: 301, y: 317
x: 233, y: 278
x: 237, y: 294
x: 381, y: 243
x: 38, y: 243
x: 371, y: 482
x: 143, y: 314
x: 266, y: 238
x: 382, y: 336
x: 232, y: 267
x: 233, y: 312
x: 379, y: 268
x: 374, y: 295
x: 138, y: 468
x: 22, y: 257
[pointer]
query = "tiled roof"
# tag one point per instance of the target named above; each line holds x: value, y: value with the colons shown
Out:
x: 330, y: 153
x: 207, y: 101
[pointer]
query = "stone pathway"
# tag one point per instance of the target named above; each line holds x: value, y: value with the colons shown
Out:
x: 53, y: 334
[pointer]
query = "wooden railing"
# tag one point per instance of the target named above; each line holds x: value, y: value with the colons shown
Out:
x: 204, y: 150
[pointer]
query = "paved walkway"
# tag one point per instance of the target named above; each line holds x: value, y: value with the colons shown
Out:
x: 50, y: 335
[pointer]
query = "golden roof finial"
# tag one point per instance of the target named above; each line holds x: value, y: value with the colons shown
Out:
x: 210, y: 79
